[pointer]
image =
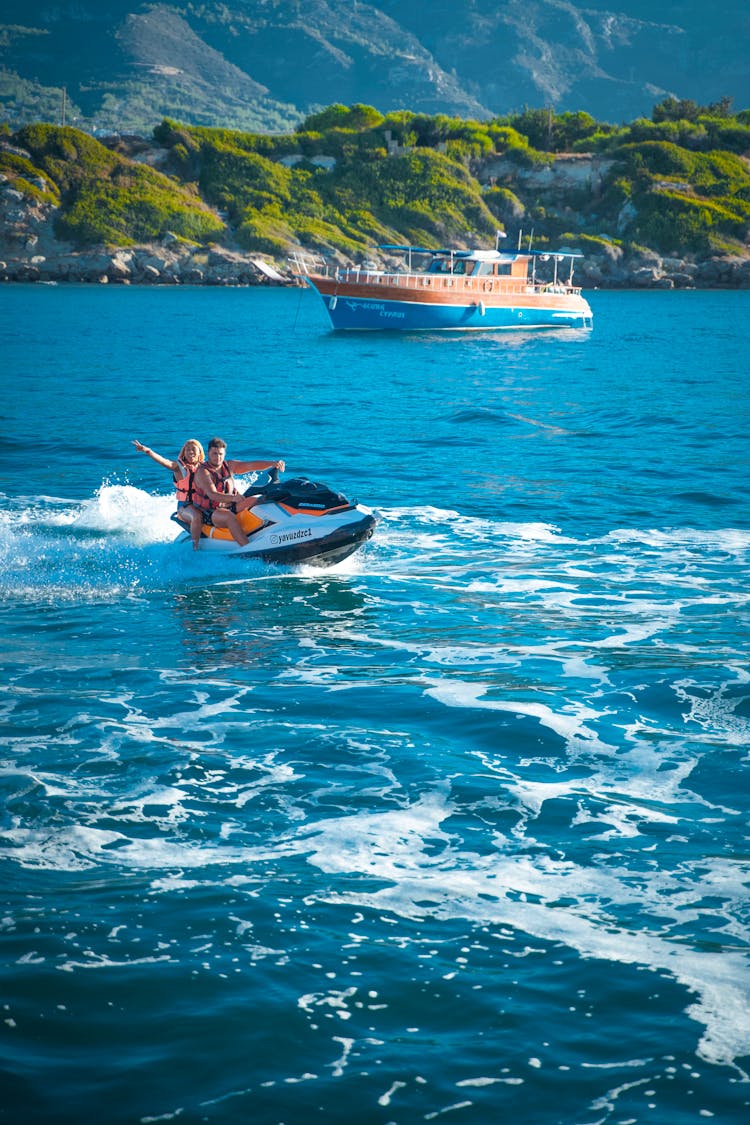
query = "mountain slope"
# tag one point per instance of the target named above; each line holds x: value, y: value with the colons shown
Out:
x: 265, y: 64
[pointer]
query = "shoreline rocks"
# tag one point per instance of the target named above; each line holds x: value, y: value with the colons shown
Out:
x: 611, y: 269
x: 30, y: 252
x: 140, y: 265
x: 168, y: 265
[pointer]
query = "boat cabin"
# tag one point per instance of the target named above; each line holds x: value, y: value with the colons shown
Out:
x: 481, y: 264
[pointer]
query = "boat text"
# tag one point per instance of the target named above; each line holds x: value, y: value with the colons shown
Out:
x: 288, y: 536
x: 378, y: 307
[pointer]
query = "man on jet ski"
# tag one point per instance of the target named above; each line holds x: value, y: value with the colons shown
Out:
x: 215, y: 491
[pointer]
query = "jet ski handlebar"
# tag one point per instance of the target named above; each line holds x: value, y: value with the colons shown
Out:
x: 257, y: 489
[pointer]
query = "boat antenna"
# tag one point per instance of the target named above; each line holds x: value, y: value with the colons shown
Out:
x: 531, y: 239
x: 520, y: 236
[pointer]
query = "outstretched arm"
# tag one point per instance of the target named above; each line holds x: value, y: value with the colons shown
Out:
x: 252, y: 466
x: 156, y: 456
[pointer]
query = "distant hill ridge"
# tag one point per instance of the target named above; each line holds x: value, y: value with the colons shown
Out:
x: 266, y: 64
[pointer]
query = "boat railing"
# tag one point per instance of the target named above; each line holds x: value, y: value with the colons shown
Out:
x: 476, y: 286
x: 307, y: 265
x: 303, y: 264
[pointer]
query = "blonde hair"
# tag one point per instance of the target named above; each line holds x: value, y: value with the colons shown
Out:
x: 192, y: 441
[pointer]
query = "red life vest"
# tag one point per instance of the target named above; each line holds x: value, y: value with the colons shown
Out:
x: 222, y: 480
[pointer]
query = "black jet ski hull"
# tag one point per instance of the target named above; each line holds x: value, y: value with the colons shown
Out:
x: 327, y: 551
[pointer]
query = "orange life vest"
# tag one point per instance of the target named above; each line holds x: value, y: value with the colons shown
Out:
x: 184, y: 485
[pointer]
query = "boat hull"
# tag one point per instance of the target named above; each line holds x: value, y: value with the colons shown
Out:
x: 366, y: 308
x: 324, y: 550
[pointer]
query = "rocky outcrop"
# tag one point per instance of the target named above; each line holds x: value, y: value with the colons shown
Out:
x: 29, y: 251
x: 140, y: 265
x: 611, y: 268
x: 562, y: 173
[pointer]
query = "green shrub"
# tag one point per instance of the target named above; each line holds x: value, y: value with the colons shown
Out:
x: 105, y: 198
x: 672, y: 222
x: 503, y: 204
x: 734, y: 137
x: 234, y: 180
x: 114, y: 215
x: 545, y: 131
x: 22, y: 172
x: 660, y: 158
x: 592, y: 243
x: 333, y: 117
x: 265, y: 234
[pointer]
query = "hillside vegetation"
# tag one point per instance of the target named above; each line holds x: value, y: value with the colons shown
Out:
x: 678, y: 183
x: 100, y: 196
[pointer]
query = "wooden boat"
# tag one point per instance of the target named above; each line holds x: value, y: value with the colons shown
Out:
x: 438, y: 290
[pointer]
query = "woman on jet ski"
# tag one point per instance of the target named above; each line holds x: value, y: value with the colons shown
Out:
x: 216, y: 493
x: 183, y: 471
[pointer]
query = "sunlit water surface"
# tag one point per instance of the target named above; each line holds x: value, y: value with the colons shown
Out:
x: 455, y: 830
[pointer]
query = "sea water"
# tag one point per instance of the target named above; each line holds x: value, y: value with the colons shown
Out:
x: 456, y: 830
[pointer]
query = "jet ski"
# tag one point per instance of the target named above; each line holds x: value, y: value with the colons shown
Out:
x: 295, y: 521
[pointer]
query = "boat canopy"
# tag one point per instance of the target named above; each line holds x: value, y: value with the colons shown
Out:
x: 545, y: 254
x: 485, y: 255
x: 476, y: 255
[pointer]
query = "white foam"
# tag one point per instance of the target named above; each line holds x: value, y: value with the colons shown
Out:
x: 130, y: 512
x: 570, y: 724
x: 522, y: 892
x: 731, y: 540
x: 606, y: 915
x: 714, y: 714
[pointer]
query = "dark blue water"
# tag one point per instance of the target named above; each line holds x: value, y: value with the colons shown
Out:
x: 457, y: 830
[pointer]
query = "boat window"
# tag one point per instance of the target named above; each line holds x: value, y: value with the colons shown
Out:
x: 459, y: 266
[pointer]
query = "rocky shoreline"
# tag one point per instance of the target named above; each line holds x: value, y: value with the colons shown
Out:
x: 29, y: 252
x: 140, y: 265
x: 645, y: 269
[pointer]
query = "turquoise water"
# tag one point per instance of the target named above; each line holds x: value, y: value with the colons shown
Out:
x: 454, y: 831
